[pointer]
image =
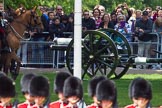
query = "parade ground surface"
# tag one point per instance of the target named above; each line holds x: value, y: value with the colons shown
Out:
x: 130, y: 71
x: 154, y: 76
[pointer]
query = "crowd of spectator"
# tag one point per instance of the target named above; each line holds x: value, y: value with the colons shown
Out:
x: 136, y: 25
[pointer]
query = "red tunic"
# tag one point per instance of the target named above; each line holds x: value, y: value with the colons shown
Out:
x: 57, y: 104
x: 25, y: 105
x: 93, y: 106
x: 9, y: 106
x: 130, y: 106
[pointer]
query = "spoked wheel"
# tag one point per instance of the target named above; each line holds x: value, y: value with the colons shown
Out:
x: 124, y: 51
x: 99, y: 54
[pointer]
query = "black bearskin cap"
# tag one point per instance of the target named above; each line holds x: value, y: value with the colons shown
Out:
x: 140, y: 87
x: 59, y: 81
x: 7, y: 87
x: 106, y: 90
x: 39, y: 86
x: 25, y: 81
x: 73, y: 87
x: 93, y: 84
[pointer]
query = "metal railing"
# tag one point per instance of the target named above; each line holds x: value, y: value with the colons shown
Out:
x: 39, y: 52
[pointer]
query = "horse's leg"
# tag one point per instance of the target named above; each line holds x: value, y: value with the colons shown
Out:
x: 15, y: 72
x: 7, y: 61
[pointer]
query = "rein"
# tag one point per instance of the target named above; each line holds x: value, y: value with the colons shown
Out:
x: 18, y: 35
x: 28, y: 27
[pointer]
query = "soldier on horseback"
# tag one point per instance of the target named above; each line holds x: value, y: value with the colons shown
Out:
x: 3, y: 25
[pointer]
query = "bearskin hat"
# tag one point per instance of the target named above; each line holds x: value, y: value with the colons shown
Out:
x: 140, y: 87
x: 59, y: 81
x: 39, y: 86
x: 25, y: 81
x: 106, y: 90
x: 93, y: 84
x: 73, y: 87
x: 7, y: 87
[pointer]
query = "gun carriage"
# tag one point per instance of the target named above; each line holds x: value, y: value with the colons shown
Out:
x: 104, y: 51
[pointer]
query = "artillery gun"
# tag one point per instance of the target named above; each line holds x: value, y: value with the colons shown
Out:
x: 104, y: 51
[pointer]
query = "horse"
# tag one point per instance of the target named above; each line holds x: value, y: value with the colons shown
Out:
x: 15, y: 33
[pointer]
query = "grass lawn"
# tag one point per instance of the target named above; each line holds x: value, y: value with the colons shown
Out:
x: 122, y: 88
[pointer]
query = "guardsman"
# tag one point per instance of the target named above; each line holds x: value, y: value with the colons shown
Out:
x: 106, y: 94
x: 7, y: 92
x: 73, y: 91
x: 92, y: 91
x: 140, y: 93
x: 39, y: 89
x: 58, y: 89
x: 25, y: 81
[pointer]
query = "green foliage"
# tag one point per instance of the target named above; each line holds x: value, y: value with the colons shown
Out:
x: 68, y: 5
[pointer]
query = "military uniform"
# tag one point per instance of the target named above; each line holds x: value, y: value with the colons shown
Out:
x: 58, y: 88
x: 39, y: 89
x: 92, y: 89
x: 7, y: 106
x: 73, y: 88
x: 58, y: 104
x: 140, y: 88
x: 25, y: 105
x: 7, y: 90
x: 93, y: 106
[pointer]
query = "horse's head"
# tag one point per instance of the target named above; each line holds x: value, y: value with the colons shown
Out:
x: 29, y: 18
x: 34, y: 20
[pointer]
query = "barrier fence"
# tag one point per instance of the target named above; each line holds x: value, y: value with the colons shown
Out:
x: 39, y: 53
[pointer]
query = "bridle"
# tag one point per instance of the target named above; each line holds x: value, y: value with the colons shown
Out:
x: 29, y: 26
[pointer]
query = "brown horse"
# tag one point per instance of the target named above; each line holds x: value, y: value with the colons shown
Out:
x: 15, y: 32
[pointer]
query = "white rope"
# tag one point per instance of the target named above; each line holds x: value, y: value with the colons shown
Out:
x: 19, y: 36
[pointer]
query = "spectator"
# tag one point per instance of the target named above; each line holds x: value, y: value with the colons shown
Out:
x: 70, y: 25
x: 65, y: 22
x: 92, y: 90
x: 56, y: 29
x: 149, y: 10
x: 138, y: 14
x: 106, y: 94
x: 140, y: 93
x: 44, y: 18
x: 87, y: 22
x: 143, y: 28
x: 59, y: 11
x: 101, y: 8
x: 58, y: 89
x: 160, y: 13
x: 106, y: 23
x: 123, y: 27
x: 37, y: 48
x: 73, y: 91
x: 97, y: 17
x: 51, y: 16
x: 113, y: 17
x: 157, y: 26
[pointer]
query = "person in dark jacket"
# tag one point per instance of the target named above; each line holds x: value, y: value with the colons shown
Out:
x: 87, y: 22
x: 143, y: 27
x: 56, y: 29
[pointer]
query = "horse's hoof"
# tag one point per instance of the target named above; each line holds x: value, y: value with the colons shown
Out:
x: 14, y: 74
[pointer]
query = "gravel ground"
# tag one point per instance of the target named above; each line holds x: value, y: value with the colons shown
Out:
x: 130, y: 71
